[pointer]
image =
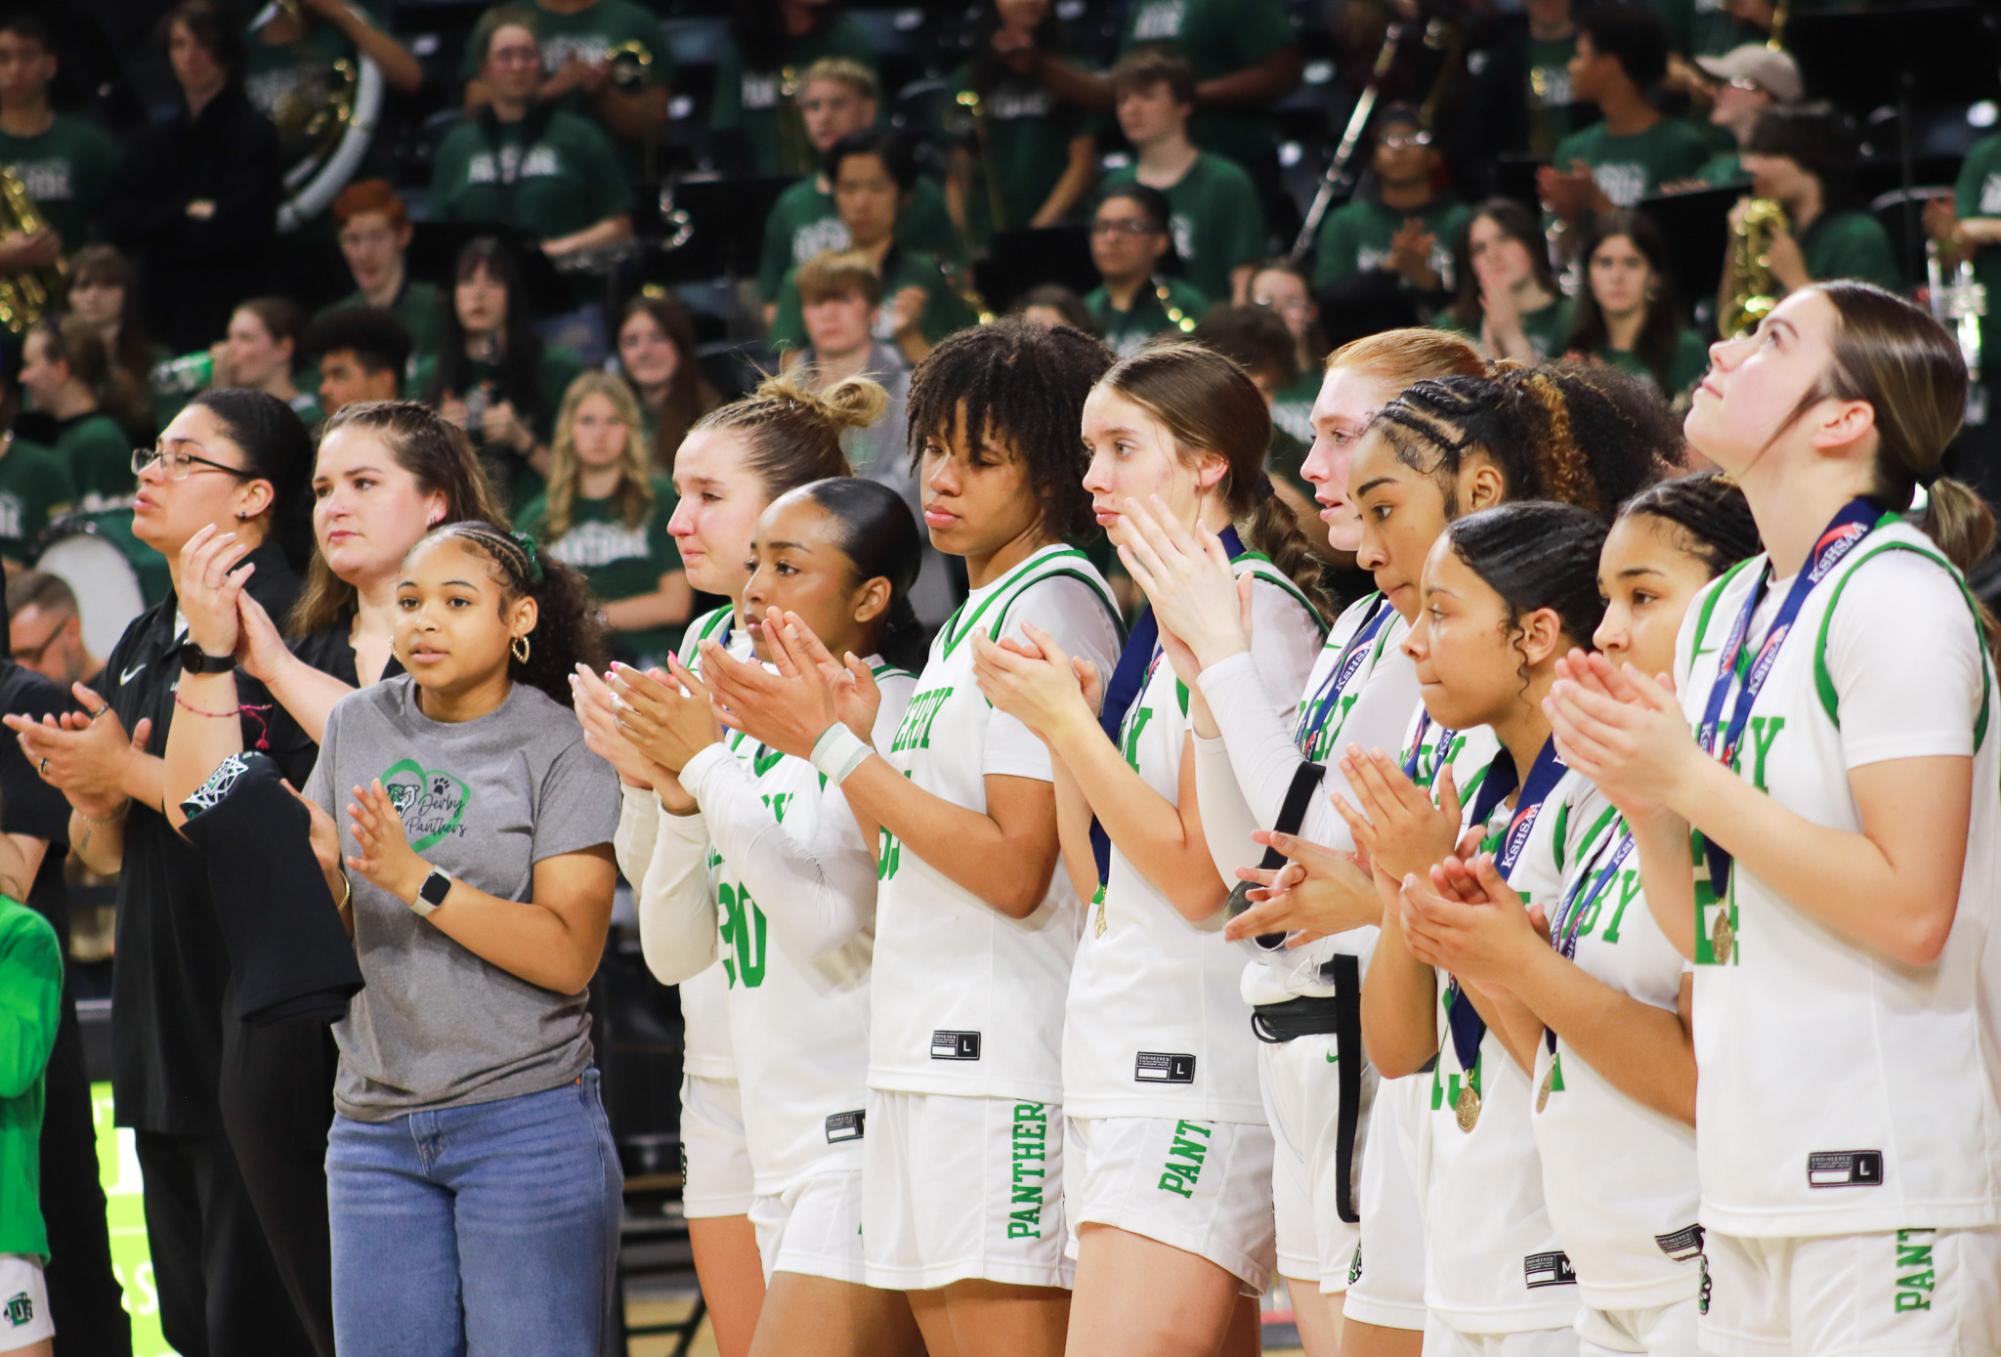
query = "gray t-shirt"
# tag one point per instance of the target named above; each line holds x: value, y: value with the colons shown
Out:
x: 484, y: 800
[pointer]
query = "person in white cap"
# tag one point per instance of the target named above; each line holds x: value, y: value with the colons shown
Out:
x: 1747, y: 81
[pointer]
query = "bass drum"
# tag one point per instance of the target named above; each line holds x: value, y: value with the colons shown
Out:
x: 114, y: 575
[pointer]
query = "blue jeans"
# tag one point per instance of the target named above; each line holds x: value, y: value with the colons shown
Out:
x: 482, y: 1230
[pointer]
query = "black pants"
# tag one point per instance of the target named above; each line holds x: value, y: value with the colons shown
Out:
x: 238, y: 1220
x: 84, y: 1298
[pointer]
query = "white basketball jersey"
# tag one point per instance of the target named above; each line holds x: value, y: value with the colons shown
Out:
x: 798, y: 1023
x: 968, y: 1001
x: 1618, y: 1176
x: 1843, y: 1092
x: 1493, y: 1262
x: 1371, y: 711
x: 1154, y: 1025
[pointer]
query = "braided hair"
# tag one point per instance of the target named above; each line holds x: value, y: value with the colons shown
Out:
x: 567, y: 629
x: 1537, y: 554
x: 1711, y: 518
x: 1020, y: 385
x: 1588, y: 436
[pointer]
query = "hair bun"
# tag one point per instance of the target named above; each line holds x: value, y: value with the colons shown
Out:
x: 851, y: 403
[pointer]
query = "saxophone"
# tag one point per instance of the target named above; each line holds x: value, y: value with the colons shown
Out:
x: 1749, y: 289
x: 1960, y: 306
x: 25, y: 297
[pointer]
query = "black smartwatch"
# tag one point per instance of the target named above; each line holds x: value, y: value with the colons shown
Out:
x: 195, y: 660
x: 432, y: 893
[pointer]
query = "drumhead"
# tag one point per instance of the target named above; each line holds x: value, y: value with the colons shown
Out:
x: 105, y: 582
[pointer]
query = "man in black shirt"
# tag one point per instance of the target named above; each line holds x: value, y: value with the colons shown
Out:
x: 84, y: 1297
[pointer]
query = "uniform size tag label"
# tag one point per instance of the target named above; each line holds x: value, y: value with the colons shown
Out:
x: 955, y: 1045
x: 1163, y: 1067
x: 1844, y: 1168
x: 1682, y: 1245
x: 842, y: 1126
x: 1548, y: 1269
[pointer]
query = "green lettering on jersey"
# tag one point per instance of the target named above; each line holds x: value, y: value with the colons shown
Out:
x: 888, y: 855
x: 1706, y: 905
x: 776, y: 802
x: 1764, y: 733
x: 742, y: 933
x: 914, y: 732
x: 1629, y: 891
x: 1028, y: 1181
x: 1135, y: 723
x: 763, y: 759
x: 1184, y: 1158
x: 1916, y: 1279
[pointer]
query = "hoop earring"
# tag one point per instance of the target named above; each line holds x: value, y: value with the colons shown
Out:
x: 520, y: 649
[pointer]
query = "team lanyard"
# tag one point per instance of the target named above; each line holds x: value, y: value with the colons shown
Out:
x: 1313, y: 715
x: 1842, y: 535
x: 1129, y: 679
x: 1577, y: 906
x: 1468, y: 1027
x: 1446, y: 734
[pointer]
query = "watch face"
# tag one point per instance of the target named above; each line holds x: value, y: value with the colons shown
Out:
x: 435, y: 888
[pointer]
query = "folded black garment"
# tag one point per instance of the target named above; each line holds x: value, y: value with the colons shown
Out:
x: 288, y: 955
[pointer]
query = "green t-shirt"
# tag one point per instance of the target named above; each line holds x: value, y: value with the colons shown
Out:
x: 945, y: 311
x: 1217, y: 37
x: 1725, y: 170
x: 421, y: 308
x: 66, y: 170
x: 1552, y: 111
x: 518, y: 482
x: 35, y: 487
x: 1686, y: 365
x: 281, y: 78
x: 1978, y: 194
x: 1627, y: 169
x: 564, y: 179
x: 1128, y: 331
x: 618, y: 561
x: 98, y: 456
x: 31, y: 982
x: 803, y: 222
x: 750, y: 101
x: 1546, y: 329
x: 1218, y: 222
x: 1851, y: 244
x: 1292, y: 408
x: 1355, y: 238
x: 1025, y: 150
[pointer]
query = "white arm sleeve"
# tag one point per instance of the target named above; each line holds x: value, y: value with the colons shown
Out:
x: 638, y: 822
x: 817, y: 894
x: 677, y: 920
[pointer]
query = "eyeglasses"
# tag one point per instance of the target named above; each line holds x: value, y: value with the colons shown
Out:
x: 180, y: 465
x: 1403, y: 141
x: 30, y: 656
x: 1124, y: 226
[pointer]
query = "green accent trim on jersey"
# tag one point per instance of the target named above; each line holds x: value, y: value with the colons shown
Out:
x: 1007, y: 588
x: 1562, y: 825
x: 1710, y: 600
x: 1098, y: 591
x: 1259, y: 564
x: 885, y: 670
x: 700, y: 630
x: 1598, y: 826
x: 1823, y: 681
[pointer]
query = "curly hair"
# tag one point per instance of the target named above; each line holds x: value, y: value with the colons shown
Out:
x: 1536, y: 554
x: 1585, y: 435
x: 1207, y: 402
x: 1711, y: 518
x: 1021, y: 386
x: 567, y: 631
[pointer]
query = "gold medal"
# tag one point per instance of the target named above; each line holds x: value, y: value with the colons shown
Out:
x: 1542, y: 1094
x: 1467, y: 1107
x: 1722, y: 936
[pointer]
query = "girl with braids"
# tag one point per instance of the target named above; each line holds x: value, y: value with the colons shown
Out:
x: 735, y: 462
x: 1506, y: 592
x: 606, y: 513
x: 465, y: 835
x: 1598, y: 1001
x: 1508, y: 300
x: 964, y: 1155
x: 1837, y: 895
x: 770, y: 840
x: 1443, y: 447
x: 1181, y: 431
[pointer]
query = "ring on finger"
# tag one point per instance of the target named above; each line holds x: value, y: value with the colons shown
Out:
x: 43, y: 768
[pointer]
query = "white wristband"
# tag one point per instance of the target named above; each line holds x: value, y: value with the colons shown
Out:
x: 838, y: 752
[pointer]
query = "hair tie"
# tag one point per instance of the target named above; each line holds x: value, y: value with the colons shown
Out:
x: 528, y: 549
x: 1927, y: 476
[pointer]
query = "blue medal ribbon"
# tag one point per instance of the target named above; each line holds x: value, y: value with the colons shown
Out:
x: 1468, y: 1027
x: 1856, y: 520
x: 1129, y: 679
x: 1446, y: 734
x: 1313, y: 717
x: 1577, y: 905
